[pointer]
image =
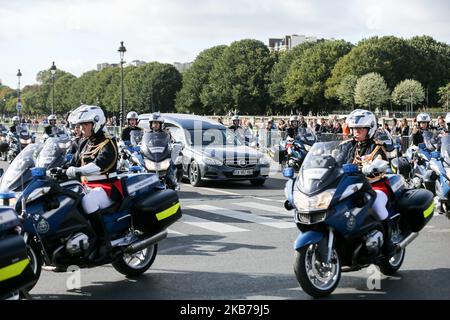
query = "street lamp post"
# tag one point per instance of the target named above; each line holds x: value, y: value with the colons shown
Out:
x: 19, y: 102
x: 53, y: 72
x: 122, y: 51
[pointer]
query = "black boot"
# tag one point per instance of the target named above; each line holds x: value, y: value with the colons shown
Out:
x: 103, y: 244
x: 389, y: 246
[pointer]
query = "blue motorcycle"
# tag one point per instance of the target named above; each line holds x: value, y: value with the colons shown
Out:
x: 339, y: 231
x: 440, y: 164
x: 58, y: 233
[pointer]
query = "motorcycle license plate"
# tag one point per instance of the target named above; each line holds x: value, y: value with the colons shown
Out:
x: 242, y: 172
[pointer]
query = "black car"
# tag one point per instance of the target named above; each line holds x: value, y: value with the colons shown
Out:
x: 211, y: 151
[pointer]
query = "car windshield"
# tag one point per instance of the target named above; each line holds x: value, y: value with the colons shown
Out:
x: 212, y: 137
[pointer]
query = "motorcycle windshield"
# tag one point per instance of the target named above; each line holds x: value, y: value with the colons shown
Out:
x: 23, y: 162
x: 24, y: 134
x: 445, y: 149
x: 156, y: 146
x: 307, y: 136
x: 430, y: 141
x: 384, y: 136
x: 321, y: 167
x: 52, y: 153
x: 59, y: 131
x: 135, y: 137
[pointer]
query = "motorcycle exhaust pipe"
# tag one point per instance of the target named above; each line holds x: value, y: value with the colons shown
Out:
x: 144, y: 243
x: 402, y: 245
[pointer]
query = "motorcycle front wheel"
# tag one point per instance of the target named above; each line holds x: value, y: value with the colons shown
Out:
x: 135, y: 264
x: 317, y: 278
x: 36, y: 260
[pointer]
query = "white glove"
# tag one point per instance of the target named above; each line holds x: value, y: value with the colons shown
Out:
x: 71, y: 172
x: 377, y: 166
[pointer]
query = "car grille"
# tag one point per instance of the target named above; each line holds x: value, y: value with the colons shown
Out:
x: 236, y: 163
x: 311, y: 217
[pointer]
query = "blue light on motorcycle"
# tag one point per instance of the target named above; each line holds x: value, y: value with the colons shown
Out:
x: 137, y: 149
x: 135, y: 168
x: 38, y: 172
x: 69, y: 157
x: 350, y: 168
x: 7, y: 195
x: 288, y: 172
x: 435, y: 154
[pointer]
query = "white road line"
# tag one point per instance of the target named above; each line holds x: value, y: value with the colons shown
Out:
x: 210, y: 225
x: 271, y: 200
x: 439, y: 231
x: 215, y: 190
x: 173, y: 234
x: 265, y: 207
x: 243, y: 216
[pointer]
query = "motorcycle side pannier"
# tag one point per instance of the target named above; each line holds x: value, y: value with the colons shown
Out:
x: 156, y: 211
x: 416, y: 207
x: 15, y: 269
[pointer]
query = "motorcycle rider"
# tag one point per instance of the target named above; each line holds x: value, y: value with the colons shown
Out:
x: 132, y: 120
x: 156, y: 124
x: 16, y: 122
x: 48, y: 130
x: 370, y: 154
x: 95, y: 162
x: 293, y: 128
x: 423, y: 121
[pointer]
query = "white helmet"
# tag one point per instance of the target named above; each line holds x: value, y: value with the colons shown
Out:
x: 15, y: 119
x: 86, y: 113
x: 362, y: 119
x: 156, y: 117
x: 423, y: 117
x: 132, y: 115
x: 51, y: 117
x: 235, y: 117
x: 447, y: 118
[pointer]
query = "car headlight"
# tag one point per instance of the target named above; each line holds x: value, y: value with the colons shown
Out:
x: 264, y: 161
x: 157, y: 166
x: 318, y: 202
x: 212, y: 162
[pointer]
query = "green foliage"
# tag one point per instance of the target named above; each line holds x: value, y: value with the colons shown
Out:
x: 408, y: 91
x: 371, y: 91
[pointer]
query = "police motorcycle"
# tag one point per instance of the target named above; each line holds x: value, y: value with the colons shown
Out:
x: 415, y: 165
x: 297, y: 149
x: 4, y: 141
x: 159, y: 153
x: 58, y: 233
x: 339, y: 232
x: 19, y: 140
x: 53, y: 153
x: 440, y: 164
x: 130, y: 157
x: 16, y: 273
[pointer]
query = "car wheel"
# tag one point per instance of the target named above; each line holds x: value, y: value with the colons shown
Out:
x: 195, y: 175
x: 257, y: 182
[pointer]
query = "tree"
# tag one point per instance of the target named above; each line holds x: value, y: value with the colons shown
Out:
x: 239, y: 79
x: 371, y: 91
x: 408, y: 92
x: 277, y: 89
x: 444, y: 95
x: 195, y: 79
x: 345, y: 92
x: 305, y: 81
x: 391, y: 57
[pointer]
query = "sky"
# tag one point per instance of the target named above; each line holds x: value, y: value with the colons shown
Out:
x: 78, y: 34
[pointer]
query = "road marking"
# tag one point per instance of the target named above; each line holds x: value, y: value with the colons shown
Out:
x: 243, y: 216
x: 265, y: 207
x: 210, y: 225
x: 271, y: 200
x: 173, y: 233
x: 440, y: 230
x: 214, y: 190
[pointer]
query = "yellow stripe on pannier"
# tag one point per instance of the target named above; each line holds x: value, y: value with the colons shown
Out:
x: 13, y: 270
x: 168, y: 212
x: 430, y: 209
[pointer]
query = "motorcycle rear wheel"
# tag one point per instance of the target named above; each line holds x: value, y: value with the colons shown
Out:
x: 391, y: 265
x: 135, y: 264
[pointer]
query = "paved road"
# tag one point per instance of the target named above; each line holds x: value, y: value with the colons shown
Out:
x: 235, y: 242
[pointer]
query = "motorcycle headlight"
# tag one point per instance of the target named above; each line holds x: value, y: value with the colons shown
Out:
x: 25, y: 141
x: 318, y: 202
x: 157, y: 166
x: 212, y: 162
